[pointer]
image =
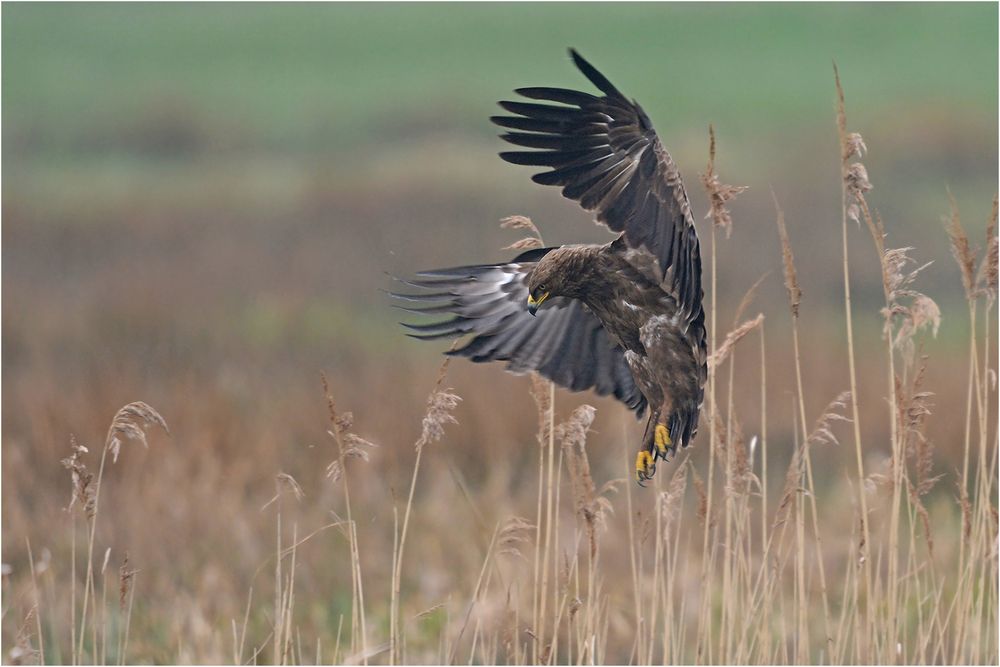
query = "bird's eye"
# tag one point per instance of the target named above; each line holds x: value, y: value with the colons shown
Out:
x: 541, y: 287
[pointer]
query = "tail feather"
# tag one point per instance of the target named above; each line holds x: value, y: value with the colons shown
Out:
x: 683, y: 426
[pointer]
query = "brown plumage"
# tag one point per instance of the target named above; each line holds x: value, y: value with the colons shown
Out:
x: 624, y: 318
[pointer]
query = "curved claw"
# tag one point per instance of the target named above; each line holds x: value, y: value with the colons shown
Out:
x: 645, y: 467
x: 661, y: 438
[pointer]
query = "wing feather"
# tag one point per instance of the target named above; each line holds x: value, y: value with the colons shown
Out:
x: 603, y: 152
x: 565, y: 342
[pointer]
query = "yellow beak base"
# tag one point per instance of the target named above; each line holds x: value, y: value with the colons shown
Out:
x: 534, y: 305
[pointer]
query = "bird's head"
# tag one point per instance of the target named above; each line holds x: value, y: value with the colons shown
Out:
x: 548, y: 279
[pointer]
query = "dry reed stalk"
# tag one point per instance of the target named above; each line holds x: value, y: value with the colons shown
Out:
x: 552, y: 649
x: 72, y: 610
x: 963, y: 257
x: 104, y: 607
x: 275, y: 632
x: 851, y: 145
x: 735, y: 487
x: 129, y: 423
x: 670, y: 506
x: 546, y: 417
x: 727, y: 347
x: 764, y: 537
x: 977, y: 520
x: 906, y: 311
x: 23, y: 651
x: 822, y: 433
x: 82, y: 492
x: 475, y: 599
x: 719, y: 195
x: 736, y: 333
x: 975, y: 283
x: 723, y: 351
x: 801, y: 594
x: 543, y: 393
x: 239, y: 643
x: 393, y: 616
x: 915, y: 407
x: 774, y: 561
x: 636, y: 591
x: 340, y: 425
x: 647, y: 656
x: 590, y: 506
x: 286, y: 612
x: 126, y: 589
x: 284, y: 585
x: 794, y: 302
x: 565, y: 607
x: 440, y: 405
x: 37, y: 604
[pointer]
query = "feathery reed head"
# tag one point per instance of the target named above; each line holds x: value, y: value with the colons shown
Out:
x: 514, y: 533
x: 788, y: 261
x: 822, y: 432
x: 722, y: 352
x: 440, y: 404
x: 988, y: 268
x: 541, y: 392
x: 81, y: 479
x: 719, y: 193
x: 130, y: 423
x: 349, y: 445
x: 572, y: 433
x: 961, y: 249
x: 125, y: 576
x: 533, y: 240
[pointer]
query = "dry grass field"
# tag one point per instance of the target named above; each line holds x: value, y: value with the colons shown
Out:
x: 218, y: 447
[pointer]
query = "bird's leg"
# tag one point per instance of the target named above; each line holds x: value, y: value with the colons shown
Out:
x: 662, y: 440
x: 645, y: 460
x: 657, y: 443
x: 645, y: 467
x: 661, y: 432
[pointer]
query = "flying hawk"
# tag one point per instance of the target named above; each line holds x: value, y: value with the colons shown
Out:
x: 624, y: 318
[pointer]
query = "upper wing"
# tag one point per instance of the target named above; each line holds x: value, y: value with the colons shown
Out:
x: 564, y: 342
x: 605, y: 154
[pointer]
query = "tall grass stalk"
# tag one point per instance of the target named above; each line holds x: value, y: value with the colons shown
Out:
x: 38, y: 603
x: 359, y: 634
x: 846, y: 152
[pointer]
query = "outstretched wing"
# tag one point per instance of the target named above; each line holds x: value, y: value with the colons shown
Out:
x: 564, y: 342
x: 605, y: 155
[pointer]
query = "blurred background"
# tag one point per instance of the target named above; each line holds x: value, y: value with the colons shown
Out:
x: 201, y: 205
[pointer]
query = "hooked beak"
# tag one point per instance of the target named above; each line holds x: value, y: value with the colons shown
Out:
x: 534, y: 305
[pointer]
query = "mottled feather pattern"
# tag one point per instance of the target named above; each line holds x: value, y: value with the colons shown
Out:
x: 565, y: 342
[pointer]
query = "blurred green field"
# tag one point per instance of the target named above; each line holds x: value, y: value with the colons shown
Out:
x: 247, y: 106
x: 201, y: 204
x: 321, y: 77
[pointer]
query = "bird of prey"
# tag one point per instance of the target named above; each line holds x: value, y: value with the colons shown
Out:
x: 624, y: 318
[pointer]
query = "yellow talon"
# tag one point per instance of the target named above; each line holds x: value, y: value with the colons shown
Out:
x: 662, y: 438
x: 643, y: 462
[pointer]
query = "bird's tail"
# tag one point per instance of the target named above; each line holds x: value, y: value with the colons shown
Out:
x: 683, y: 425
